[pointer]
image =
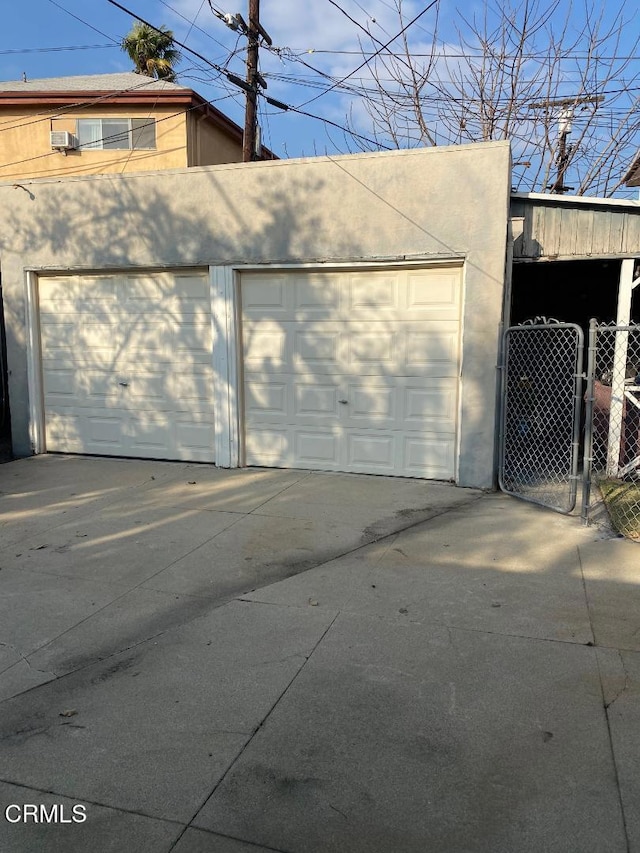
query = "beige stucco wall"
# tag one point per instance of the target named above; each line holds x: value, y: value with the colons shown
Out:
x: 25, y: 150
x: 426, y: 204
x: 208, y: 145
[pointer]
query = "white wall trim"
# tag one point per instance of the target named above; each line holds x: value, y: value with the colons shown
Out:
x: 226, y: 389
x: 422, y: 261
x: 34, y: 365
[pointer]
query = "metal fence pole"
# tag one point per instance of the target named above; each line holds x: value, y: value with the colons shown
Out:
x: 577, y: 411
x: 587, y: 463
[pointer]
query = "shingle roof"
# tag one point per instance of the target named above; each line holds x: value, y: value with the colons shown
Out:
x: 91, y: 82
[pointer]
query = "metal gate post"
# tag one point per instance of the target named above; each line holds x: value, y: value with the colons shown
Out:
x: 577, y: 412
x: 587, y: 462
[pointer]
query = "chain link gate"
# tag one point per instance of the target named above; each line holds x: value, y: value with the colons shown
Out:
x: 541, y: 412
x: 612, y: 437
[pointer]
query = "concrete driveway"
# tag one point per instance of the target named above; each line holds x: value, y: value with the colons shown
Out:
x: 206, y: 660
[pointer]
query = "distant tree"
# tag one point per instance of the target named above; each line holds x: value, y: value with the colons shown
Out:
x: 559, y: 80
x: 151, y: 51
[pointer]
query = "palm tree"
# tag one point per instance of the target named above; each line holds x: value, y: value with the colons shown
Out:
x: 151, y: 51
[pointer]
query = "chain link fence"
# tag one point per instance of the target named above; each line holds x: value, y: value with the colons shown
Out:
x: 612, y: 435
x: 540, y: 419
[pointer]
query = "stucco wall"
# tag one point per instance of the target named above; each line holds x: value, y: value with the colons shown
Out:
x: 425, y: 203
x: 209, y: 145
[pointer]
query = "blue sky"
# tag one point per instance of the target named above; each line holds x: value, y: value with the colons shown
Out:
x: 50, y: 38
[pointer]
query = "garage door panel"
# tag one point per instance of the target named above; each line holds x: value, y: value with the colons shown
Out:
x: 193, y: 344
x: 354, y: 370
x: 64, y: 290
x: 435, y: 295
x: 430, y: 456
x: 316, y: 400
x: 63, y: 333
x: 64, y: 387
x: 372, y: 403
x: 267, y: 399
x: 316, y: 297
x: 432, y: 351
x: 373, y: 294
x: 373, y: 350
x: 57, y: 334
x: 266, y: 346
x: 136, y: 381
x: 267, y: 297
x: 192, y: 386
x: 431, y: 406
x: 371, y: 452
x: 150, y: 434
x: 265, y: 445
x: 317, y: 448
x: 84, y: 430
x: 317, y: 350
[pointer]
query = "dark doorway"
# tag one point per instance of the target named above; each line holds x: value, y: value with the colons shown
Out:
x: 569, y: 291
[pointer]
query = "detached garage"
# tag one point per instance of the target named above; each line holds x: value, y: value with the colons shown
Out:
x: 331, y: 313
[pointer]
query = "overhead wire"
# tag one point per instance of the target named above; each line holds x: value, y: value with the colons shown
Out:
x: 373, y: 55
x: 22, y: 50
x: 82, y: 21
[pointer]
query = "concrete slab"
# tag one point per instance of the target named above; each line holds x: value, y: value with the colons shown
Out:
x: 612, y: 578
x: 43, y: 491
x: 37, y: 607
x: 621, y: 687
x: 401, y: 578
x: 378, y: 504
x: 255, y: 551
x: 20, y: 677
x: 136, y: 616
x: 198, y: 841
x: 500, y: 531
x: 414, y: 738
x: 93, y: 547
x: 104, y: 830
x: 154, y: 729
x: 227, y: 490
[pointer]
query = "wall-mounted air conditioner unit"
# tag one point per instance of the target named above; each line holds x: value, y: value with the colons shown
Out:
x: 62, y: 140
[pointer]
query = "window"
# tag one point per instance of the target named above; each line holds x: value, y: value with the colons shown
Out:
x: 117, y: 133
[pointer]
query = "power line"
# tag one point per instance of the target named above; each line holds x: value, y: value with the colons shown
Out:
x: 445, y: 55
x: 289, y: 108
x: 199, y: 29
x: 20, y: 50
x: 373, y: 55
x: 82, y: 21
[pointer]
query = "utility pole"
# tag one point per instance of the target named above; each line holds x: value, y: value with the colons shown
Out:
x: 251, y: 145
x: 565, y: 150
x: 251, y: 109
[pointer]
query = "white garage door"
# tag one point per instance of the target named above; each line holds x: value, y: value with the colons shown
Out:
x: 127, y: 364
x: 353, y: 371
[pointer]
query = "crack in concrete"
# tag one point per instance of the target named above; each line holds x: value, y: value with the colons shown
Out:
x: 624, y: 687
x: 24, y: 659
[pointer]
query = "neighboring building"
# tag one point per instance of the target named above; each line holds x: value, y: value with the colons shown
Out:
x: 110, y: 123
x: 632, y: 178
